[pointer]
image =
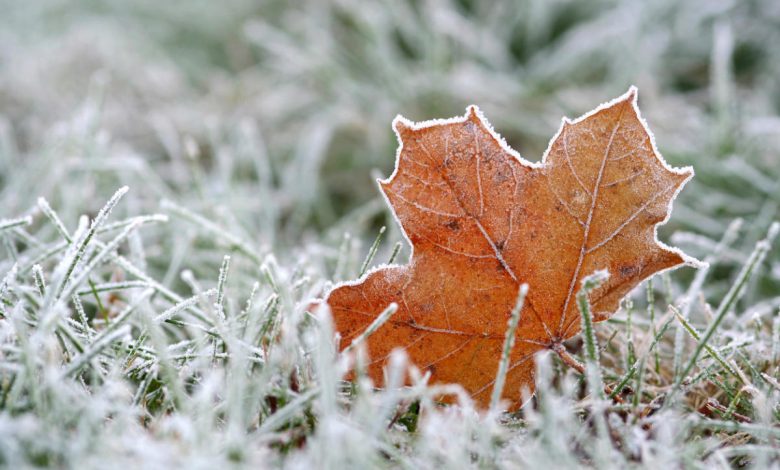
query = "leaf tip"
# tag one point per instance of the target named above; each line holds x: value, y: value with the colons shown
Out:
x: 682, y: 176
x: 402, y: 126
x: 688, y: 172
x: 314, y: 304
x: 383, y: 182
x: 632, y: 94
x: 473, y: 113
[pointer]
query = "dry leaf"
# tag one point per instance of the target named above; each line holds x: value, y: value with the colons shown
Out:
x: 482, y: 221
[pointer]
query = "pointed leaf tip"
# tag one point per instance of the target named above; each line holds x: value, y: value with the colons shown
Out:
x: 401, y: 125
x: 632, y: 94
x: 472, y: 113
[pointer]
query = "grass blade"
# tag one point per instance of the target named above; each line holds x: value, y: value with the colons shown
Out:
x: 509, y: 343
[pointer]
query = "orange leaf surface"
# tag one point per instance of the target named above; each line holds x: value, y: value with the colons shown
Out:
x: 482, y: 221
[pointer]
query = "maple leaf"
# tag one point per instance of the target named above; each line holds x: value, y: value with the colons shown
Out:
x: 482, y: 221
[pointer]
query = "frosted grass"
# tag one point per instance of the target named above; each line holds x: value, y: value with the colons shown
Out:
x: 175, y: 330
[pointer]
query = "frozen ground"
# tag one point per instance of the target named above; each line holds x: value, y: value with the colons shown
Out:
x: 255, y: 131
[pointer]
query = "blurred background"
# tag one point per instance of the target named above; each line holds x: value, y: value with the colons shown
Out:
x: 272, y: 119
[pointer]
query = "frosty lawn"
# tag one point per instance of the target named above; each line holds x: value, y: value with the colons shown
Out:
x: 167, y: 327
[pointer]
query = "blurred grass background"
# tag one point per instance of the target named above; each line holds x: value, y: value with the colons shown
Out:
x: 272, y: 119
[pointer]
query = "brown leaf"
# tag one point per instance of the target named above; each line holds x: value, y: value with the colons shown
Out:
x: 482, y: 221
